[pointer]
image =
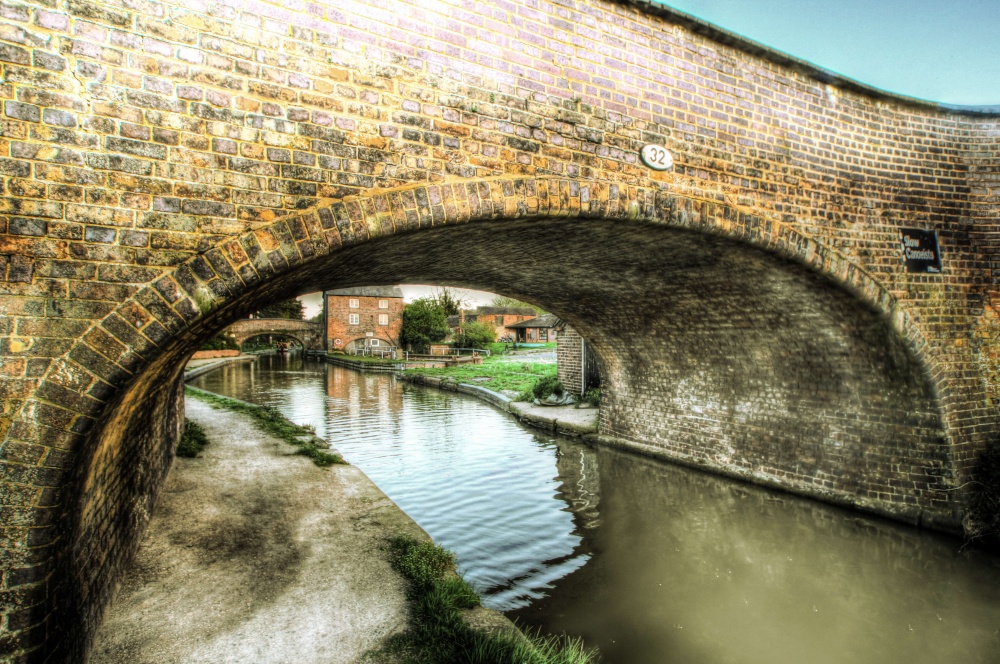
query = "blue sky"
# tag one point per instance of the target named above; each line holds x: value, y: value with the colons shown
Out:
x: 940, y: 50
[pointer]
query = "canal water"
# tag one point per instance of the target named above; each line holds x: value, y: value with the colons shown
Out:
x: 649, y: 562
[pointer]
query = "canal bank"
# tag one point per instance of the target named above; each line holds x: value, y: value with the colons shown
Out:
x: 564, y: 420
x: 253, y: 553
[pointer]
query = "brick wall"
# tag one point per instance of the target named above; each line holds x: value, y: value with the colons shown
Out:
x: 569, y: 356
x: 167, y: 168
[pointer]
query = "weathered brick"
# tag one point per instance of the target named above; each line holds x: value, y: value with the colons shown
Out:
x: 99, y: 13
x: 26, y: 112
x: 15, y: 54
x: 99, y: 234
x: 57, y: 117
x: 208, y: 208
x: 138, y: 148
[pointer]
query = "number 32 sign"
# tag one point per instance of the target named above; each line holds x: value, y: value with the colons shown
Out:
x: 656, y: 157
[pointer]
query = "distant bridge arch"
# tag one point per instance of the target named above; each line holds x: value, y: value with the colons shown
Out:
x: 309, y: 334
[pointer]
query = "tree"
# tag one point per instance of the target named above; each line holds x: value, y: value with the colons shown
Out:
x: 476, y: 335
x: 504, y: 301
x: 424, y: 321
x: 449, y: 301
x: 292, y: 309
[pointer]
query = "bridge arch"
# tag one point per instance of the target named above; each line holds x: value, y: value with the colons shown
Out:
x: 742, y: 275
x: 308, y: 334
x: 280, y: 335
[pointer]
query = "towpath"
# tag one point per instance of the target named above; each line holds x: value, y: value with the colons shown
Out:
x: 255, y: 555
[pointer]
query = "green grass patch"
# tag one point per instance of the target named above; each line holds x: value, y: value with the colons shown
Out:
x: 495, y: 374
x: 193, y: 440
x: 439, y: 635
x: 276, y: 424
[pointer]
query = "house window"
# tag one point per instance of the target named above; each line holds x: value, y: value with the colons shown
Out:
x: 543, y: 335
x: 383, y: 304
x: 353, y: 304
x: 374, y: 342
x: 354, y: 319
x: 383, y: 319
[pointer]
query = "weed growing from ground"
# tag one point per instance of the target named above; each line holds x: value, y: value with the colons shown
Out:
x: 592, y: 396
x: 439, y: 635
x: 984, y: 503
x: 546, y: 386
x: 193, y: 440
x: 272, y: 421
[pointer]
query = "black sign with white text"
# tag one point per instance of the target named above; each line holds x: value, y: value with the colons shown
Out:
x: 920, y: 250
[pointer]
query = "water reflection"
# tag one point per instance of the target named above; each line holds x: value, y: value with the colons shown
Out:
x: 650, y: 562
x: 474, y: 479
x: 688, y: 567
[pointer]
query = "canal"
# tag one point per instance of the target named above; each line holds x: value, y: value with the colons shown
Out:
x: 649, y: 562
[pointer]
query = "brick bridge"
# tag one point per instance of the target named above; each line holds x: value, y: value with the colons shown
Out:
x: 168, y: 168
x: 310, y: 335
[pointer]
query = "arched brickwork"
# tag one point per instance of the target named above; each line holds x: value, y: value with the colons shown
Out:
x: 167, y: 167
x: 309, y: 335
x: 151, y: 333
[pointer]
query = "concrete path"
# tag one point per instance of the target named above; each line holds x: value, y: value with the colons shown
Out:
x: 255, y: 555
x: 563, y: 419
x: 196, y: 368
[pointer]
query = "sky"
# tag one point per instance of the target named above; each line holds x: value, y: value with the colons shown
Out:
x: 940, y: 50
x: 472, y: 298
x: 946, y: 51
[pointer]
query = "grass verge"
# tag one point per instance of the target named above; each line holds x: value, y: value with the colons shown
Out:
x: 193, y: 440
x: 276, y: 424
x: 439, y: 635
x: 495, y: 374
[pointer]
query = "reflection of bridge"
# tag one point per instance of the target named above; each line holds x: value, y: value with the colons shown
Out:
x: 310, y: 335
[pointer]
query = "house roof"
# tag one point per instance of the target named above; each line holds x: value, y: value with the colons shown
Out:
x: 368, y: 291
x: 545, y: 320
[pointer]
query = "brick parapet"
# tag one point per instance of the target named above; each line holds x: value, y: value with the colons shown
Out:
x: 162, y: 164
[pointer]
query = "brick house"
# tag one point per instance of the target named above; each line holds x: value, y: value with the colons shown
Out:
x: 358, y: 319
x: 540, y: 329
x: 499, y: 318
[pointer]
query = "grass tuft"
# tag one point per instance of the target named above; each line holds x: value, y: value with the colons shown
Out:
x: 438, y: 633
x: 272, y: 421
x: 193, y: 440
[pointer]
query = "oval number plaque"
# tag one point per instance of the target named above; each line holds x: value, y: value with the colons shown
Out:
x: 656, y: 157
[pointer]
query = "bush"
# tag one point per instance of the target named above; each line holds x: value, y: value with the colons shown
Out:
x: 546, y: 386
x: 592, y: 396
x: 475, y: 335
x: 193, y: 440
x: 219, y: 343
x: 423, y: 322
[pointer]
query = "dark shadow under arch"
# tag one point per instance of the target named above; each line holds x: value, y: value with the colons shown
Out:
x: 726, y: 341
